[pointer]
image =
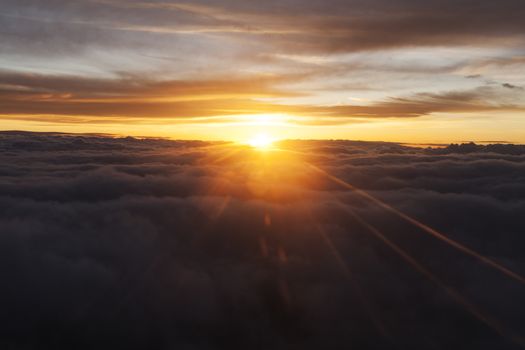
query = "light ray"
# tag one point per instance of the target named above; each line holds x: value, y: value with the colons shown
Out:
x: 425, y: 228
x: 367, y: 305
x: 453, y: 293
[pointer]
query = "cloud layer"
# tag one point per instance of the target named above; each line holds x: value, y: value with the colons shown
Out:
x: 121, y: 242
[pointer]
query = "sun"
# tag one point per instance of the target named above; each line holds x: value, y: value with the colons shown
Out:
x: 261, y: 141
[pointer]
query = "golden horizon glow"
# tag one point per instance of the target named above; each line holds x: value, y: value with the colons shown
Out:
x: 261, y: 141
x: 423, y: 130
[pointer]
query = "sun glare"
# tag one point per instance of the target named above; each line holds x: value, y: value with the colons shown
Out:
x: 261, y: 141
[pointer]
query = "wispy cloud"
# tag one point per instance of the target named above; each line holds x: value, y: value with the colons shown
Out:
x: 135, y: 97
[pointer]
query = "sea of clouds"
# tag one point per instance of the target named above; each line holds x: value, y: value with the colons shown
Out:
x: 123, y: 243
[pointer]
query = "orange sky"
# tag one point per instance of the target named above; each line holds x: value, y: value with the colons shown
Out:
x: 419, y: 72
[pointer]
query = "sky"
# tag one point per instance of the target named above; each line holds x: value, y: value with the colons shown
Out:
x: 405, y: 70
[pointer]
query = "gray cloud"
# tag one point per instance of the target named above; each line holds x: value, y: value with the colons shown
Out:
x: 131, y: 99
x: 511, y: 86
x: 314, y: 26
x: 121, y: 242
x: 118, y: 52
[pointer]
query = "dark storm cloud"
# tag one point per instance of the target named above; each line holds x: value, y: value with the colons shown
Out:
x: 122, y: 242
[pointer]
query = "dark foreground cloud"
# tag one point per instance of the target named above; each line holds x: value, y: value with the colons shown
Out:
x: 126, y: 243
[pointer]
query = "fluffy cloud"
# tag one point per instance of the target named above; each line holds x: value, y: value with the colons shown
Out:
x: 120, y: 242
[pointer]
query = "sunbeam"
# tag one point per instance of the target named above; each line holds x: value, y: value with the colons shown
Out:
x: 454, y: 294
x: 424, y: 227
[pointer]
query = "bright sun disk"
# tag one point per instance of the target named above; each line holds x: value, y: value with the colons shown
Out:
x: 261, y: 141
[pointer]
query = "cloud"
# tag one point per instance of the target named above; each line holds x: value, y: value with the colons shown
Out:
x: 510, y: 86
x: 312, y: 26
x: 170, y: 244
x: 136, y: 99
x: 89, y: 62
x: 135, y: 96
